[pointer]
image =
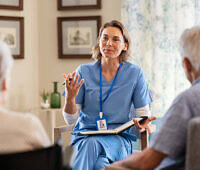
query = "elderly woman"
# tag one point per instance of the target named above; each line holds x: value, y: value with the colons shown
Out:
x: 105, y: 89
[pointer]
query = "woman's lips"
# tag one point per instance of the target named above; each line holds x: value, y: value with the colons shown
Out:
x: 108, y: 50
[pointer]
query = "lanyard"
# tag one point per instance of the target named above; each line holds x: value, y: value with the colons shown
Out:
x: 109, y: 91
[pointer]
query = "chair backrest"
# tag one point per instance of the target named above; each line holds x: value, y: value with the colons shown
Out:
x: 193, y: 145
x: 41, y: 159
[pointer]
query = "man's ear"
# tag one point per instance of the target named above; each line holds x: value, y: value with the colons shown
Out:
x: 4, y: 85
x: 187, y: 64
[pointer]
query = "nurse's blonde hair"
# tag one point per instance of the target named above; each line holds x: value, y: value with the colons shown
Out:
x: 96, y: 54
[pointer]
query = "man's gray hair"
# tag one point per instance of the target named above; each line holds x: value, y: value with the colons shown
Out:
x: 6, y: 62
x: 190, y: 46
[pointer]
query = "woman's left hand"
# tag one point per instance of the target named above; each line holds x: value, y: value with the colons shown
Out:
x: 145, y: 125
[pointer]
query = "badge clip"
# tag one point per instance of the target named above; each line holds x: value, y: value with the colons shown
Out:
x: 101, y: 122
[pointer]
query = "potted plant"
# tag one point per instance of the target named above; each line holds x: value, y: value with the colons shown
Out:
x: 45, y: 103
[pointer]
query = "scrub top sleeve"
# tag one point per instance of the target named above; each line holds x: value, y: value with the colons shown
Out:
x: 80, y: 97
x: 141, y: 94
x: 71, y: 118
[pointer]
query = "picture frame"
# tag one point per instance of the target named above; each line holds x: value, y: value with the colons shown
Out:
x: 12, y: 32
x: 77, y: 36
x: 78, y: 5
x: 11, y: 4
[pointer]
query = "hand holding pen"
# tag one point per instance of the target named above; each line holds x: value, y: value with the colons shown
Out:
x: 70, y: 79
x: 72, y: 85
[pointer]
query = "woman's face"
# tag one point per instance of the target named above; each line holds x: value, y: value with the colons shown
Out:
x: 111, y: 42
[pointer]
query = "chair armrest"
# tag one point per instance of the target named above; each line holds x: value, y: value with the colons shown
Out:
x: 145, y: 136
x: 144, y: 140
x: 115, y: 168
x: 61, y: 129
x: 193, y: 145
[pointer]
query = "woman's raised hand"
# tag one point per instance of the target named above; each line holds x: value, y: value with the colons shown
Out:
x: 71, y: 85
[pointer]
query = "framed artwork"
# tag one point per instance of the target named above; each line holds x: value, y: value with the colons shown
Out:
x: 77, y: 36
x: 78, y: 4
x: 12, y: 32
x: 11, y: 4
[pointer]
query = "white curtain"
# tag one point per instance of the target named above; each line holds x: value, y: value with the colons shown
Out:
x: 155, y: 27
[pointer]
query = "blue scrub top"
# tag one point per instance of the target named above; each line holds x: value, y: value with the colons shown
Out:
x: 130, y: 88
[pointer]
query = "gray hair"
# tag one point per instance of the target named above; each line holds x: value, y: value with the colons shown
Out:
x: 6, y: 62
x: 190, y: 46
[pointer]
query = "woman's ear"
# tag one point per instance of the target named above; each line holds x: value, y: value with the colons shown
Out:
x: 125, y: 46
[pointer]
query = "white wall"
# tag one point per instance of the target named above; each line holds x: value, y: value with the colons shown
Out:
x: 41, y: 65
x: 24, y: 85
x: 50, y: 67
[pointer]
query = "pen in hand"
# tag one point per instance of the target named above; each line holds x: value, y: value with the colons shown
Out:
x: 70, y: 79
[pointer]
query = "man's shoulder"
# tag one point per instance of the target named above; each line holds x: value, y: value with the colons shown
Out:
x: 191, y: 95
x: 195, y: 88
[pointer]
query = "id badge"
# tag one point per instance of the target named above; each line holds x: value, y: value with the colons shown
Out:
x: 101, y: 123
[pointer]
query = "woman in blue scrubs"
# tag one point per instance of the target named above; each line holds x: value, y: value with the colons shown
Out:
x: 107, y: 87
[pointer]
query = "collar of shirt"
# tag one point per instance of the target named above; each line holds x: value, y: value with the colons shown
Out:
x: 196, y: 81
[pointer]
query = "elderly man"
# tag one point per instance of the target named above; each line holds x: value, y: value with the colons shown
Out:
x: 170, y: 141
x: 18, y: 132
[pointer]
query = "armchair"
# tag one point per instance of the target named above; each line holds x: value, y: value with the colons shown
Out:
x: 63, y: 129
x: 41, y: 159
x: 193, y: 145
x: 50, y: 158
x: 192, y: 148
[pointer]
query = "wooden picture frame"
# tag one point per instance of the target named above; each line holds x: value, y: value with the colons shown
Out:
x: 12, y: 32
x: 11, y: 4
x: 78, y: 5
x: 77, y: 36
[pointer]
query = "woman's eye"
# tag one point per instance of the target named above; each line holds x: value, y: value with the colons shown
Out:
x: 116, y: 39
x: 105, y: 38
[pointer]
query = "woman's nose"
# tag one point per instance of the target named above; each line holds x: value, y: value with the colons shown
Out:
x: 109, y: 42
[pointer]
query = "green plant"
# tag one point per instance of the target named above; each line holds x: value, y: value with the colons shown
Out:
x: 44, y: 95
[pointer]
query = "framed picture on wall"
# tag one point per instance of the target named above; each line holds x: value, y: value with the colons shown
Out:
x: 11, y: 4
x: 77, y: 36
x: 12, y: 32
x: 77, y: 4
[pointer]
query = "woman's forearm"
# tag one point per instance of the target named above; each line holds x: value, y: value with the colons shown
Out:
x: 70, y: 119
x: 70, y: 106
